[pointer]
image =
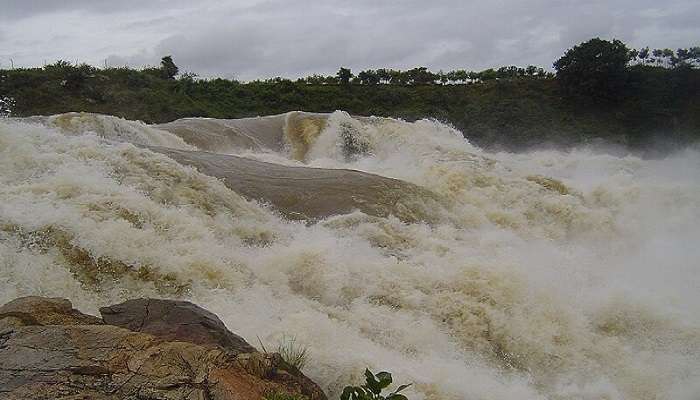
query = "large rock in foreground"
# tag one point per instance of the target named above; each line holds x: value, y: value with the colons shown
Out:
x: 162, y: 349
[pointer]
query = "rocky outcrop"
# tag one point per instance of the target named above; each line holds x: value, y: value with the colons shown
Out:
x: 174, y: 320
x: 141, y: 349
x: 44, y: 311
x: 315, y: 193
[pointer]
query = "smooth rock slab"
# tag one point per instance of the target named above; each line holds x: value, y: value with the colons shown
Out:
x: 303, y: 193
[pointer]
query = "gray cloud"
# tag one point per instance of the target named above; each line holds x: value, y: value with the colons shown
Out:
x: 18, y: 9
x: 252, y: 38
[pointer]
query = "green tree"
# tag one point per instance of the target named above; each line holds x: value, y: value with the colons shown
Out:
x: 442, y: 77
x: 168, y: 67
x: 596, y: 69
x: 384, y: 75
x: 532, y: 70
x: 344, y: 75
x: 643, y: 55
x: 368, y: 77
x: 458, y: 76
x: 397, y: 77
x: 694, y: 54
x: 510, y: 72
x: 76, y: 76
x: 420, y: 76
x: 487, y: 75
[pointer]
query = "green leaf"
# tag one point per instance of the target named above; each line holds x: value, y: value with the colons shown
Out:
x: 396, y: 396
x: 355, y: 393
x: 402, y: 387
x: 372, y: 383
x: 368, y: 374
x: 346, y: 393
x: 384, y: 379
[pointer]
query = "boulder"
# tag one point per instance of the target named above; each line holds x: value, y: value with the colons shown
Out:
x: 51, y: 351
x: 174, y: 320
x: 35, y: 310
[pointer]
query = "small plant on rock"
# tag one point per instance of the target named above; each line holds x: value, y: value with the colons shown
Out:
x: 373, y: 387
x: 293, y: 353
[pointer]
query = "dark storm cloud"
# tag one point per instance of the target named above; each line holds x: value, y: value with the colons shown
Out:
x: 251, y: 38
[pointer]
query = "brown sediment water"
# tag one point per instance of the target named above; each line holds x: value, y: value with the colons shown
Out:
x: 376, y: 243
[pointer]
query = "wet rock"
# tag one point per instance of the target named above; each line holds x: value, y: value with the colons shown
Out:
x: 35, y: 310
x: 51, y: 351
x: 174, y: 320
x: 303, y: 193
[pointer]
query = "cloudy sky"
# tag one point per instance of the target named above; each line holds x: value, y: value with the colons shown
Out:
x: 248, y: 39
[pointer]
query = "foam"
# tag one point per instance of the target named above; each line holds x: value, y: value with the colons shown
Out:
x: 527, y: 291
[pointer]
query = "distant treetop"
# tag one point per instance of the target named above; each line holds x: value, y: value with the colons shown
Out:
x: 597, y: 68
x: 168, y: 67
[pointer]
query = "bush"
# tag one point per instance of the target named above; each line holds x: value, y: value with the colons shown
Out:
x: 373, y: 387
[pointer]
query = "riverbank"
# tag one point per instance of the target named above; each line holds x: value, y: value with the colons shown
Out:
x: 659, y: 109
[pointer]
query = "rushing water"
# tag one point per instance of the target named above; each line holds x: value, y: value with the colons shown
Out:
x: 544, y: 275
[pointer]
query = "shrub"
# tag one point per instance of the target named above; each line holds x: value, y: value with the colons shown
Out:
x: 373, y: 387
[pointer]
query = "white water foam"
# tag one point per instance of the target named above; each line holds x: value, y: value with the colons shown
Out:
x: 562, y: 275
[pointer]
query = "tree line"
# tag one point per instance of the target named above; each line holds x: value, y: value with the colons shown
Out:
x: 666, y: 57
x: 607, y: 69
x: 421, y: 76
x: 599, y: 88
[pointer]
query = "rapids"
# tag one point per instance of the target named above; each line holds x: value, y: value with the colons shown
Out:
x: 539, y: 275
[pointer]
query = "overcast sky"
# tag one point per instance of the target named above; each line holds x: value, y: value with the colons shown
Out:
x: 249, y: 39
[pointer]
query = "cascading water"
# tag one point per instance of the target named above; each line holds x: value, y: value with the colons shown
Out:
x: 552, y: 275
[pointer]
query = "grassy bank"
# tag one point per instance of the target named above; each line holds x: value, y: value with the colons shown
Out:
x: 657, y: 105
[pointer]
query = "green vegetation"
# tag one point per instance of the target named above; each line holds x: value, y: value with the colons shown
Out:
x: 596, y: 69
x: 283, y: 396
x: 642, y: 98
x: 168, y: 68
x: 6, y: 106
x: 373, y: 387
x: 344, y: 76
x: 293, y: 353
x: 371, y: 390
